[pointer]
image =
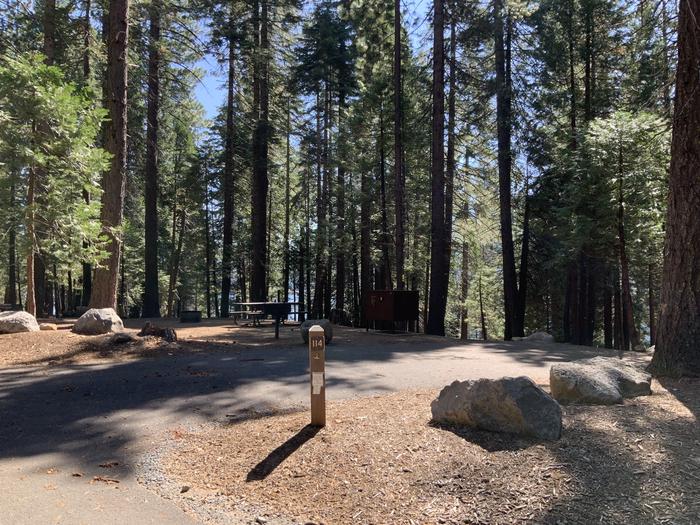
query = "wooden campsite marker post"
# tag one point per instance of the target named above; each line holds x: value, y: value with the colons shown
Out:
x: 317, y: 369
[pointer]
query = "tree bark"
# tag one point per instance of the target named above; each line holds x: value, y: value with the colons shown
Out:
x: 104, y: 292
x: 519, y: 328
x: 86, y: 266
x: 11, y: 291
x: 399, y: 182
x: 365, y: 261
x: 484, y: 333
x: 464, y: 294
x: 285, y: 241
x: 677, y: 350
x: 259, y: 183
x: 228, y: 184
x: 151, y: 296
x: 503, y: 118
x: 607, y: 314
x: 438, y: 255
x: 341, y: 248
x: 450, y: 164
x: 652, y: 306
x: 175, y: 264
x: 207, y: 245
x: 386, y: 281
x: 49, y: 27
x: 631, y: 334
x: 30, y: 214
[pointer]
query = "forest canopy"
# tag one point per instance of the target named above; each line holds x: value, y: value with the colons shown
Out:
x: 507, y: 159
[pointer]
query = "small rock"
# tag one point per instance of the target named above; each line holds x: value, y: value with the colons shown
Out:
x: 121, y: 338
x: 15, y: 322
x: 598, y: 381
x: 511, y: 404
x: 323, y: 323
x: 539, y: 336
x: 48, y: 326
x: 150, y: 329
x: 98, y: 321
x: 261, y: 520
x: 184, y: 489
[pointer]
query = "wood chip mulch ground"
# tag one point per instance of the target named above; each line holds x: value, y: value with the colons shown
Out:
x: 380, y: 460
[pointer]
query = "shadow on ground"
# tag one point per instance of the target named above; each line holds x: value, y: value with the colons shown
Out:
x: 96, y: 411
x: 275, y: 458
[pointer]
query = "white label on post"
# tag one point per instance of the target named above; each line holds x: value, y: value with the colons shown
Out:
x: 316, y: 382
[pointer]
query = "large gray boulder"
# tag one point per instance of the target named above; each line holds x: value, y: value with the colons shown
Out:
x: 323, y: 323
x: 14, y: 322
x: 98, y: 321
x: 598, y: 381
x: 511, y: 404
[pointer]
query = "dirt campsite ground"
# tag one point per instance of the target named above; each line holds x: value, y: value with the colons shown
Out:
x: 212, y: 428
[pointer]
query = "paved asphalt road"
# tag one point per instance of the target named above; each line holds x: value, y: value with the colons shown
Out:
x: 59, y: 424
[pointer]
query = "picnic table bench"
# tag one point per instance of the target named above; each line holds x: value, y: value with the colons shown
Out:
x: 261, y: 309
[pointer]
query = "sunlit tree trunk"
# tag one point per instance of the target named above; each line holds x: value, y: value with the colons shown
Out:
x: 677, y: 350
x: 259, y: 182
x: 104, y: 292
x: 228, y: 183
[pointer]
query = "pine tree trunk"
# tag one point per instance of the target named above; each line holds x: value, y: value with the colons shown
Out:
x: 519, y: 328
x: 86, y: 41
x: 43, y: 299
x: 426, y: 292
x: 484, y: 333
x: 151, y: 296
x: 631, y: 335
x: 464, y: 294
x: 618, y: 333
x: 228, y: 184
x: 175, y: 264
x: 104, y: 292
x: 450, y: 164
x: 207, y: 245
x: 30, y: 215
x: 259, y: 183
x: 386, y: 281
x: 319, y: 263
x: 287, y: 210
x: 302, y: 280
x: 607, y: 315
x: 341, y: 249
x: 399, y: 182
x: 503, y: 118
x: 268, y: 237
x: 213, y: 280
x: 677, y: 350
x: 652, y: 307
x: 49, y: 27
x: 11, y: 291
x: 365, y: 228
x: 438, y: 255
x: 327, y: 192
x: 87, y: 267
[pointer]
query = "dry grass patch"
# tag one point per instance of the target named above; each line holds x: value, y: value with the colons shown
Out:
x: 379, y: 460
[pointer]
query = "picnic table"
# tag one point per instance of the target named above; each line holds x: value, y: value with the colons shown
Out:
x: 262, y: 309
